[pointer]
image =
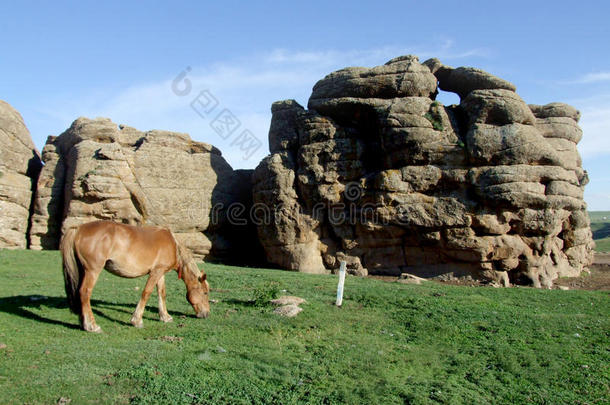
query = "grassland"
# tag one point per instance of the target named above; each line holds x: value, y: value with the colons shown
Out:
x: 389, y: 343
x: 600, y: 225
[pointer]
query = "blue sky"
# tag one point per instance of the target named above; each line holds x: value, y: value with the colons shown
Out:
x: 62, y: 60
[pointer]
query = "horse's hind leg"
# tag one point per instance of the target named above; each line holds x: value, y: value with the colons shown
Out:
x: 136, y: 319
x: 87, y: 320
x: 163, y: 315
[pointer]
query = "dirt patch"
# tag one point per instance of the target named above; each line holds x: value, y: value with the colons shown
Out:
x: 597, y: 279
x: 167, y: 338
x: 602, y: 259
x: 457, y: 281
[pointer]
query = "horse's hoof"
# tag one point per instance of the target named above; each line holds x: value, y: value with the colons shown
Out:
x: 93, y: 328
x: 167, y: 319
x: 137, y: 324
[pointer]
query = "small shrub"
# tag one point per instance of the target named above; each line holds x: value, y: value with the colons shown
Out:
x: 265, y: 293
x: 435, y: 120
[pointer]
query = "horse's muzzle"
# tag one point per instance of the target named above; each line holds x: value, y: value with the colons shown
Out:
x: 203, y: 314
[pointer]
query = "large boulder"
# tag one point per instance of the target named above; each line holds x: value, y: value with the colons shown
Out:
x: 19, y: 167
x: 379, y: 174
x: 98, y: 170
x: 400, y: 77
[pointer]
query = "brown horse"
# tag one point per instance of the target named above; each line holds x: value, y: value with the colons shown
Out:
x: 127, y: 251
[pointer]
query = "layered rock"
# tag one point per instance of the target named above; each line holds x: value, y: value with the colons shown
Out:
x: 19, y: 167
x: 378, y: 173
x: 98, y: 170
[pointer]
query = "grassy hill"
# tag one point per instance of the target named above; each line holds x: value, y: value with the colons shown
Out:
x: 600, y: 225
x: 389, y: 343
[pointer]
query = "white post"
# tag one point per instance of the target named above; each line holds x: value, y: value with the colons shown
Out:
x: 341, y: 282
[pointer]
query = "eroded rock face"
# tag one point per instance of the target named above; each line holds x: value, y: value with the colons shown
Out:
x: 98, y: 170
x: 19, y: 167
x: 378, y: 173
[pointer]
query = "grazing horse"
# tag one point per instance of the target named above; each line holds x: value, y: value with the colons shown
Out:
x: 127, y: 251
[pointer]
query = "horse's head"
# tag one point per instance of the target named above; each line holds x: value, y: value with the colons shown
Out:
x: 198, y: 294
x: 197, y: 287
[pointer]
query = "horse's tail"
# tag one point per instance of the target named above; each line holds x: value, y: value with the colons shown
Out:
x: 72, y: 274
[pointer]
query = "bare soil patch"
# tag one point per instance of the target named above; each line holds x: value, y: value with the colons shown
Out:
x: 597, y: 279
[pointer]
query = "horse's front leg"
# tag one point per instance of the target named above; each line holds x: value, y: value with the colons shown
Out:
x: 163, y: 315
x: 136, y: 319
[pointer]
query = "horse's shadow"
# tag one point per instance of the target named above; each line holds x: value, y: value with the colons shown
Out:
x: 24, y: 306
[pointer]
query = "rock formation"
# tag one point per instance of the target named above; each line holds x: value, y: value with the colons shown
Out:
x: 378, y: 173
x: 98, y: 170
x: 19, y: 168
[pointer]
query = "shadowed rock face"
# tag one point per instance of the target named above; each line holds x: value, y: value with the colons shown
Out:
x: 379, y: 174
x: 19, y: 167
x: 97, y: 170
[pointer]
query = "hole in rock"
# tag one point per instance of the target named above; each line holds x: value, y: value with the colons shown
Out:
x: 447, y: 98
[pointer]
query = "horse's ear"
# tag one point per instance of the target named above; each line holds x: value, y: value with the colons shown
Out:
x: 203, y: 278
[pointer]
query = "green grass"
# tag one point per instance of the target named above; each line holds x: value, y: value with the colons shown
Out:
x: 390, y: 343
x: 602, y: 245
x: 598, y: 216
x: 601, y: 230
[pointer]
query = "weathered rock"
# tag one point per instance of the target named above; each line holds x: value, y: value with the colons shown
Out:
x: 287, y: 235
x: 380, y: 175
x: 555, y: 110
x: 288, y: 300
x: 512, y: 144
x: 464, y: 80
x: 497, y: 107
x: 557, y: 122
x: 400, y: 77
x: 559, y: 127
x: 19, y: 167
x: 282, y: 132
x: 47, y: 214
x: 406, y: 278
x: 289, y: 311
x: 98, y: 170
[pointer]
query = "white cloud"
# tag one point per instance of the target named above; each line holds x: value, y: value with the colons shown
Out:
x: 595, y: 148
x: 593, y: 78
x: 595, y: 123
x: 371, y: 57
x: 246, y: 86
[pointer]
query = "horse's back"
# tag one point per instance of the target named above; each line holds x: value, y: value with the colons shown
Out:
x: 126, y: 250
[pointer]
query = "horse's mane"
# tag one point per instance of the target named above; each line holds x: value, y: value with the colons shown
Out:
x: 185, y: 260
